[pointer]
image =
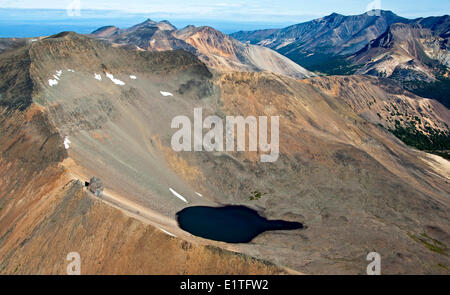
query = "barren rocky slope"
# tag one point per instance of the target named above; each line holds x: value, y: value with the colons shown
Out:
x: 315, y: 42
x: 355, y: 186
x: 45, y: 214
x: 45, y: 211
x: 378, y: 43
x: 409, y: 52
x: 385, y: 102
x: 215, y: 49
x: 416, y: 54
x: 335, y: 33
x: 419, y: 122
x: 11, y: 43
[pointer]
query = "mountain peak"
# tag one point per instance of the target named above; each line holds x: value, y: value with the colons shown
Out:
x: 149, y: 21
x: 105, y: 31
x: 331, y: 17
x: 208, y: 29
x: 66, y: 35
x: 166, y: 22
x: 334, y: 14
x: 164, y: 25
x: 203, y: 29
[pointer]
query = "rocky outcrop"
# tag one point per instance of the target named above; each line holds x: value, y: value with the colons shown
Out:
x: 96, y: 186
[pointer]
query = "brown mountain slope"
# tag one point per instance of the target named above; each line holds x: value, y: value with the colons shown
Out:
x: 350, y: 182
x: 222, y: 52
x: 214, y: 48
x: 354, y: 185
x: 11, y: 43
x: 45, y: 214
x: 382, y: 101
x: 419, y: 122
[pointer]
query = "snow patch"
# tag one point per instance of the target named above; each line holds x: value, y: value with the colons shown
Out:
x: 164, y: 93
x: 170, y: 234
x: 199, y: 194
x: 178, y: 195
x: 115, y: 81
x: 97, y: 76
x: 67, y: 142
x: 133, y: 77
x: 52, y: 82
x: 70, y: 70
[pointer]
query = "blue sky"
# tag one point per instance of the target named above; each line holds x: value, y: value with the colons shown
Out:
x: 225, y: 15
x: 244, y: 10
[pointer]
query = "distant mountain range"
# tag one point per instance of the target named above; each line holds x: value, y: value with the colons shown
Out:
x: 215, y: 49
x: 406, y: 51
x: 334, y: 34
x: 414, y: 52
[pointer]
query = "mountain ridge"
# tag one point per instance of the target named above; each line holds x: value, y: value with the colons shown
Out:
x: 412, y: 51
x: 217, y: 50
x: 323, y: 44
x: 332, y: 29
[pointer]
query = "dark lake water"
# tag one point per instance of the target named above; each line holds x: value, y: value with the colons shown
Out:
x: 231, y: 224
